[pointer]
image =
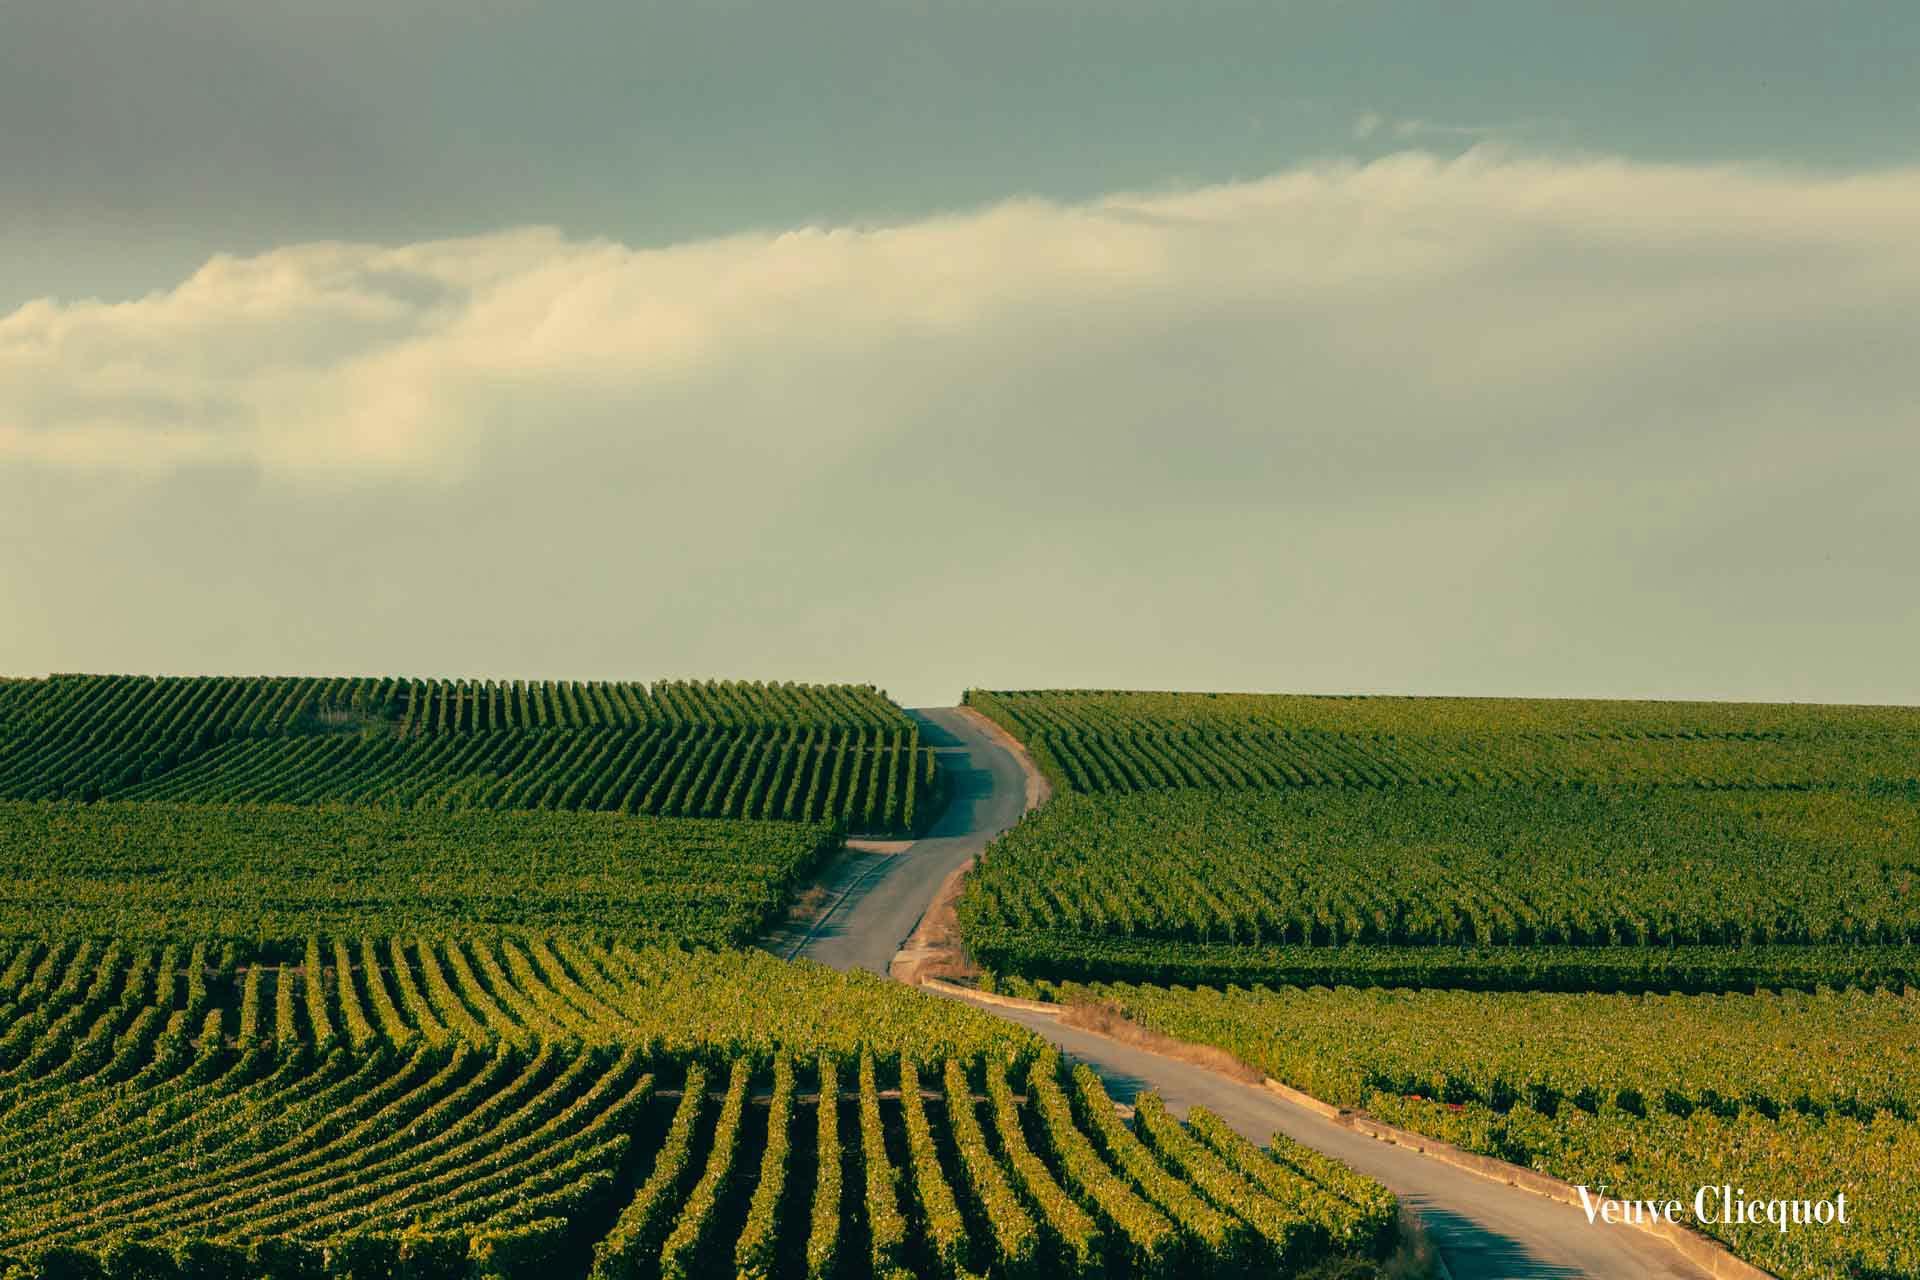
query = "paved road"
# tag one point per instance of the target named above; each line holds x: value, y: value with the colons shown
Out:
x: 876, y: 899
x: 1485, y: 1230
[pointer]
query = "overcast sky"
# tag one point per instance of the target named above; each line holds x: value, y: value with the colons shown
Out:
x: 1329, y: 347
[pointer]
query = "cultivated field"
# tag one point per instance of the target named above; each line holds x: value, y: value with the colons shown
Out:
x: 393, y: 978
x: 1378, y: 864
x: 732, y: 749
x: 272, y: 874
x: 1392, y: 852
x: 527, y: 1107
x: 1108, y: 742
x: 1788, y: 1094
x: 1574, y: 888
x: 381, y: 978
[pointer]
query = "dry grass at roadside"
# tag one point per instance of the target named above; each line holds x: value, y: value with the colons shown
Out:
x: 808, y: 903
x: 935, y: 950
x: 1106, y: 1020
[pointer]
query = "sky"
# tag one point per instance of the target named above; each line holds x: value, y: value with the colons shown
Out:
x: 1328, y: 347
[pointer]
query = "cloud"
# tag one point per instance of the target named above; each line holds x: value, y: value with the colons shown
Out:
x: 1418, y: 423
x: 1481, y: 278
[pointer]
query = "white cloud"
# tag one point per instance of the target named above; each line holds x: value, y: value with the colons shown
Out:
x: 1478, y: 280
x: 1419, y: 424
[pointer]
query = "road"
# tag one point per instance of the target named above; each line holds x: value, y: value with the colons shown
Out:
x: 876, y: 897
x: 1485, y: 1230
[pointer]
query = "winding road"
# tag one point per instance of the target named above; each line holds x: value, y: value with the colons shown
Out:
x: 1485, y: 1230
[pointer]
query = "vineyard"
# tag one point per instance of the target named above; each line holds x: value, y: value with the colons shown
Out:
x: 527, y: 1108
x: 384, y: 978
x: 1477, y: 919
x: 367, y: 978
x: 1121, y: 712
x: 1552, y: 887
x: 1788, y: 1094
x: 1125, y: 742
x: 75, y: 1001
x: 275, y: 874
x: 723, y: 749
x: 1492, y: 843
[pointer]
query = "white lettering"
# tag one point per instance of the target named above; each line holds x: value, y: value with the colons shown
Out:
x: 1724, y: 1204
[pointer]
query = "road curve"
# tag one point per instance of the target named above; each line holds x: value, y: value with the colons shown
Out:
x: 875, y: 898
x: 1485, y: 1230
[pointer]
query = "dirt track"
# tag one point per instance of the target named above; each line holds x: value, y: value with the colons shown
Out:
x: 1485, y: 1230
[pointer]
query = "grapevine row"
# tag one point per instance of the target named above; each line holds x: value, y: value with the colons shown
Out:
x: 694, y: 748
x: 279, y: 873
x: 116, y: 1011
x: 1279, y: 885
x: 1105, y: 712
x: 467, y: 1161
x: 1788, y: 1090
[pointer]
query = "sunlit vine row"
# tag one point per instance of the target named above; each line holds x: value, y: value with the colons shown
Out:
x: 398, y: 1122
